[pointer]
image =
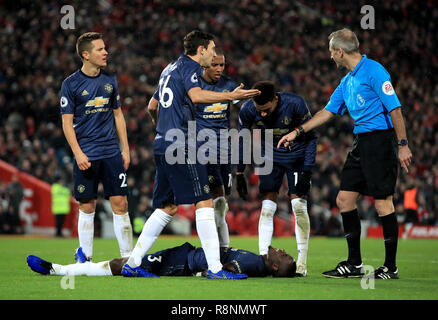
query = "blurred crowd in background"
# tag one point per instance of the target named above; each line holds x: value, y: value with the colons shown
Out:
x: 282, y: 41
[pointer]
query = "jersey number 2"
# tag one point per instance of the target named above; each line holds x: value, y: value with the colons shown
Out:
x: 122, y: 177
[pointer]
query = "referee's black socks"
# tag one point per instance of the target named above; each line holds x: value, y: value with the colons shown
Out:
x: 351, y: 223
x: 390, y: 235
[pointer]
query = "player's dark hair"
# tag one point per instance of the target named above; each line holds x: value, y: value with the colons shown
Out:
x: 84, y: 42
x: 268, y: 92
x: 194, y: 39
x: 219, y: 51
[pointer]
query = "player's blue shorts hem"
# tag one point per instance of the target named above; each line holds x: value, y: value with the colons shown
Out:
x: 272, y: 182
x: 179, y: 183
x: 220, y: 175
x: 109, y: 171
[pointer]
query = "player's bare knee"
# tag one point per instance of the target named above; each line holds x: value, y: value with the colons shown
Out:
x: 384, y: 207
x: 119, y: 205
x: 170, y: 209
x: 269, y: 196
x: 344, y: 203
x: 87, y: 205
x: 204, y: 204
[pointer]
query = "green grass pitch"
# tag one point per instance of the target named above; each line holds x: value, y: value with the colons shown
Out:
x: 417, y: 263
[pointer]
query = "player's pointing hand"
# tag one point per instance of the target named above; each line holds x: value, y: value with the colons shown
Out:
x: 288, y: 139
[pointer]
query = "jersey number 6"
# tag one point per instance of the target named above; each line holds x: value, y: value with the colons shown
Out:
x: 163, y: 90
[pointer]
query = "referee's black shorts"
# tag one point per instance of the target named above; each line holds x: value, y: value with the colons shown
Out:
x: 371, y: 167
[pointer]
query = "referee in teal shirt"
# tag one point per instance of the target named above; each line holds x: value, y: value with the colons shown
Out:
x: 371, y: 167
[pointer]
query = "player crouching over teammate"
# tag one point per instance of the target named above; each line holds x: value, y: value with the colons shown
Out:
x: 183, y: 260
x: 281, y: 112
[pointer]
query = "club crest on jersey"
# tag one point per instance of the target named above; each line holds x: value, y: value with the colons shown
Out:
x: 216, y: 107
x: 81, y: 188
x: 286, y: 120
x: 387, y: 88
x: 108, y: 88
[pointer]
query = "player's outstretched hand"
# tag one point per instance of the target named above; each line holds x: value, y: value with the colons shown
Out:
x: 241, y: 94
x: 288, y: 139
x: 303, y: 185
x: 241, y: 186
x: 82, y: 161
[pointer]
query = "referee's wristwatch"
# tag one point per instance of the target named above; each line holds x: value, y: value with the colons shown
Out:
x: 403, y: 142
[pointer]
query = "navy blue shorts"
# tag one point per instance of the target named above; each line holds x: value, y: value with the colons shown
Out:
x: 273, y: 181
x: 220, y: 175
x: 179, y: 183
x: 110, y: 172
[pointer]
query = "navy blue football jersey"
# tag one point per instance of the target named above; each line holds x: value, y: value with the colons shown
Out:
x: 245, y: 262
x: 291, y: 111
x: 186, y: 260
x: 91, y: 100
x: 175, y: 106
x: 215, y: 116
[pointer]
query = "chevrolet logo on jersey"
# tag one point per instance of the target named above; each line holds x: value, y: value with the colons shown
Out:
x: 97, y: 102
x: 216, y: 108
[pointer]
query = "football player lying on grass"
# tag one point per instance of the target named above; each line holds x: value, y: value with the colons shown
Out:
x: 184, y: 260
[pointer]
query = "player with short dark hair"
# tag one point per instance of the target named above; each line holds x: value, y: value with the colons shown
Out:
x: 371, y: 167
x: 94, y: 126
x: 183, y: 183
x: 183, y: 260
x: 281, y: 112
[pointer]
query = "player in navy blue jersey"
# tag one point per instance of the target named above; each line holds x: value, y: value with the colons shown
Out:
x: 371, y: 167
x: 281, y: 112
x: 94, y: 126
x: 183, y: 260
x: 183, y: 182
x: 216, y: 117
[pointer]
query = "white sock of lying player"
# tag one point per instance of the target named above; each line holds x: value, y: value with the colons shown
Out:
x: 123, y: 231
x: 220, y: 211
x: 151, y: 230
x: 266, y: 225
x: 82, y: 269
x: 207, y: 233
x: 86, y: 232
x: 302, y: 228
